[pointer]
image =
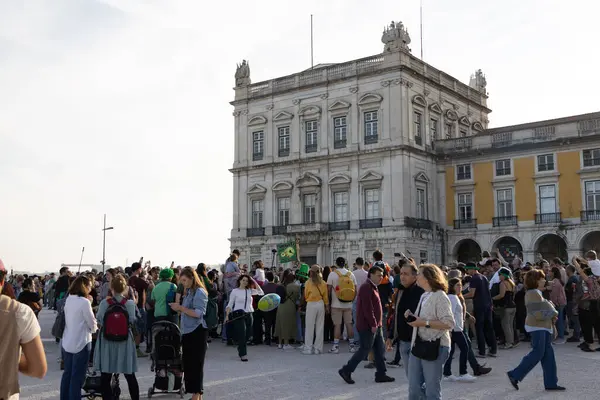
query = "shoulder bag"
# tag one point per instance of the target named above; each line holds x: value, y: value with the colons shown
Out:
x: 425, y: 349
x: 235, y: 314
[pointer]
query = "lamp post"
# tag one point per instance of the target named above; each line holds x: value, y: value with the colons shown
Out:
x: 104, y: 229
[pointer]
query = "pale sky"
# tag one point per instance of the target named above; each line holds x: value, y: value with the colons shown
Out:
x: 121, y: 106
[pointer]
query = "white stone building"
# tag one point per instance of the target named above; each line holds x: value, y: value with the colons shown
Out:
x: 341, y: 156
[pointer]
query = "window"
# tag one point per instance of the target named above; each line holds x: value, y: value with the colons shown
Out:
x: 418, y: 121
x: 284, y: 141
x: 592, y: 195
x: 340, y: 128
x: 545, y: 162
x: 463, y: 172
x: 547, y: 199
x: 463, y: 132
x: 465, y: 206
x: 502, y: 167
x: 591, y: 157
x: 371, y: 203
x: 283, y: 211
x: 371, y: 127
x: 504, y: 202
x: 311, y: 136
x: 257, y: 213
x: 423, y: 256
x: 258, y: 145
x: 310, y: 208
x: 340, y: 205
x: 421, y: 204
x: 449, y: 130
x: 433, y: 129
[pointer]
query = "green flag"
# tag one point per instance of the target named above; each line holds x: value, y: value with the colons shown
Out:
x: 287, y: 252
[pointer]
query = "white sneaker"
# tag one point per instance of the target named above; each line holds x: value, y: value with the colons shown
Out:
x: 335, y: 349
x: 449, y: 378
x: 280, y: 346
x: 352, y: 348
x: 307, y: 351
x: 287, y: 347
x: 317, y: 351
x: 466, y: 378
x: 560, y: 341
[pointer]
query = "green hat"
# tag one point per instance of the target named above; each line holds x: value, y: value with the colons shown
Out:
x: 303, y: 270
x: 166, y: 274
x: 471, y: 265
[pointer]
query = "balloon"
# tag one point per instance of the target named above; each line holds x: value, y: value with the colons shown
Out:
x: 269, y: 302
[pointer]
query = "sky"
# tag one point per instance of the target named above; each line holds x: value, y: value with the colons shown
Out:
x: 121, y: 107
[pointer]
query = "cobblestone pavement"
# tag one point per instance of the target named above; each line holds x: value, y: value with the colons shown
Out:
x: 287, y: 375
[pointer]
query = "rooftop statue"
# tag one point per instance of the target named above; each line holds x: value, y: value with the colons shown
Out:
x: 242, y: 74
x: 395, y: 37
x: 478, y: 81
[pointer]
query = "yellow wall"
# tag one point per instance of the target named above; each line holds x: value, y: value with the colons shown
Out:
x: 525, y: 196
x: 569, y: 186
x: 484, y: 193
x: 450, y: 206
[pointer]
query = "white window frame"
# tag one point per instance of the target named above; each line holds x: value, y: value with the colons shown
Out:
x: 585, y: 195
x: 421, y: 211
x: 258, y: 213
x: 595, y: 156
x: 433, y: 129
x: 470, y: 178
x: 537, y: 163
x: 496, y: 202
x: 452, y: 125
x: 282, y: 133
x: 261, y: 140
x: 539, y: 189
x: 510, y: 163
x: 418, y: 126
x: 313, y: 132
x: 369, y: 214
x: 368, y: 121
x: 281, y: 210
x: 342, y: 206
x: 306, y: 220
x: 340, y: 130
x: 459, y: 205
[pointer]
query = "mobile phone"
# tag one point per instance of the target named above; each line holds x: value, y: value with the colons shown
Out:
x: 411, y: 318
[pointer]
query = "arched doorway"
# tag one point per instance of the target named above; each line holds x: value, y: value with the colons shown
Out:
x: 551, y: 246
x: 590, y: 241
x: 509, y: 247
x: 467, y: 250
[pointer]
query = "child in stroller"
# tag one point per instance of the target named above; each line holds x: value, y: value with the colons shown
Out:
x: 166, y: 359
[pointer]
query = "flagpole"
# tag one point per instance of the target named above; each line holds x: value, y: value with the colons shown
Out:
x: 312, y: 64
x: 421, y: 26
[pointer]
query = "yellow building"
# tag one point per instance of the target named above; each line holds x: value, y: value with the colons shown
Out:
x: 530, y: 188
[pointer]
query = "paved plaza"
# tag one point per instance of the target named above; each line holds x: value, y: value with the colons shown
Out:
x: 281, y: 375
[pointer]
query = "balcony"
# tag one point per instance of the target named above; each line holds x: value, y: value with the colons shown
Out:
x: 255, y: 232
x: 306, y: 228
x: 548, y: 218
x: 339, y: 144
x: 590, y: 215
x: 371, y: 139
x: 370, y: 223
x: 510, y: 220
x: 280, y: 230
x: 418, y: 223
x: 310, y: 148
x: 284, y: 152
x: 470, y: 223
x: 257, y: 156
x: 339, y: 226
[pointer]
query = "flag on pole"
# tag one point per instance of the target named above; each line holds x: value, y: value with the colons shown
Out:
x: 287, y: 252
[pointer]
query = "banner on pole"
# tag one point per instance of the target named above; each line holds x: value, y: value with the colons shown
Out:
x: 287, y: 252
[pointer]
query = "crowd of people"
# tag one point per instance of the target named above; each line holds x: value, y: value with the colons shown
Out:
x: 420, y: 313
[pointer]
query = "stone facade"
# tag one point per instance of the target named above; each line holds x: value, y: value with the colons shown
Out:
x: 342, y: 156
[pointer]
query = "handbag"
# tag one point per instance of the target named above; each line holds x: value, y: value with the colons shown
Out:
x: 239, y: 313
x: 427, y: 350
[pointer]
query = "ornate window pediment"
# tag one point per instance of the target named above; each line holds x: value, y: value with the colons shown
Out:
x: 421, y: 177
x: 435, y: 107
x: 477, y: 127
x: 370, y: 99
x: 419, y: 100
x: 370, y: 176
x: 257, y: 120
x: 464, y: 121
x: 340, y: 179
x: 339, y: 105
x: 282, y: 186
x: 283, y: 116
x: 257, y: 190
x: 310, y: 111
x: 451, y: 115
x: 308, y: 179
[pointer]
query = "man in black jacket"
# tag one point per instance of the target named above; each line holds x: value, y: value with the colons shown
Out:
x: 408, y: 298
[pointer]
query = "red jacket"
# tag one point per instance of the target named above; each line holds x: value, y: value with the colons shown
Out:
x: 368, y: 307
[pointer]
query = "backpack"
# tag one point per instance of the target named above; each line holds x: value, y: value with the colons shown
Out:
x: 116, y: 321
x: 345, y: 289
x: 58, y: 328
x: 171, y: 296
x: 211, y: 316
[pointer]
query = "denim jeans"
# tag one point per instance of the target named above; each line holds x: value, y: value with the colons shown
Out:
x: 426, y: 372
x: 484, y: 325
x: 368, y: 341
x: 461, y: 340
x: 356, y: 339
x: 405, y: 354
x: 573, y: 316
x: 560, y: 322
x: 73, y: 376
x: 242, y: 329
x: 541, y: 352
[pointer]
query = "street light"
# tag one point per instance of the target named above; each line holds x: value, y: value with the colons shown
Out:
x: 104, y: 242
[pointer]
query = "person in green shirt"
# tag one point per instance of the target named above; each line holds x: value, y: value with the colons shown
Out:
x: 163, y: 294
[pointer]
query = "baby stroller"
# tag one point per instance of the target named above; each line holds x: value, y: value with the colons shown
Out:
x: 93, y: 387
x: 166, y: 359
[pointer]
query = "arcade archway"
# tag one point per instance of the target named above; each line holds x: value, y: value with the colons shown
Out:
x: 551, y: 246
x: 467, y: 250
x: 590, y: 241
x: 509, y: 247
